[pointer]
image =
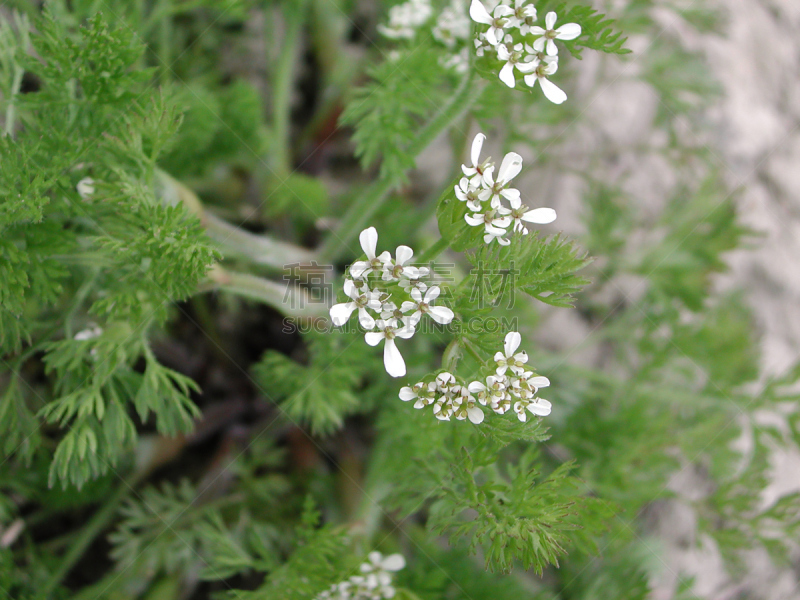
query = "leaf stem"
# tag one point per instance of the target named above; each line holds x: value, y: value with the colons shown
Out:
x: 373, y: 197
x: 433, y: 251
x: 282, y: 87
x: 93, y: 528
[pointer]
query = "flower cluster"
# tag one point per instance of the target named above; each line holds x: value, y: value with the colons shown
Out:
x: 484, y: 194
x: 406, y: 18
x: 521, y: 44
x: 510, y: 383
x: 395, y: 292
x: 374, y: 582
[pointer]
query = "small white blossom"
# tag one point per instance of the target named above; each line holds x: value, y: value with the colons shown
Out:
x: 389, y: 330
x: 374, y: 583
x: 475, y: 172
x: 88, y: 334
x: 538, y: 406
x: 464, y: 406
x: 509, y: 168
x: 369, y: 242
x: 361, y: 298
x: 85, y: 187
x: 452, y: 24
x: 544, y: 70
x: 496, y: 21
x: 494, y: 224
x: 406, y: 18
x: 422, y: 305
x: 522, y: 13
x: 393, y: 270
x: 540, y: 216
x: 510, y: 358
x: 548, y: 36
x: 466, y: 192
x: 514, y: 58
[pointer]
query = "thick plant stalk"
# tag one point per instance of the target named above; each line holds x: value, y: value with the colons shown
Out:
x: 367, y: 204
x: 258, y: 249
x: 290, y: 300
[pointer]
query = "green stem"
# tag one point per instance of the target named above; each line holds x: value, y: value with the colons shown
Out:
x: 282, y: 88
x: 11, y: 108
x: 370, y: 201
x: 434, y: 251
x: 470, y: 347
x: 93, y: 528
x: 290, y: 300
x: 232, y: 240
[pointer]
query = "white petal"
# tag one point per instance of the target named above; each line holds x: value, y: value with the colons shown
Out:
x: 416, y: 295
x: 552, y: 92
x: 403, y: 254
x: 408, y: 306
x: 366, y: 320
x: 441, y: 314
x: 341, y: 312
x: 507, y: 77
x: 530, y: 80
x: 550, y: 20
x: 536, y: 30
x: 432, y: 294
x: 502, y: 222
x: 539, y: 381
x: 393, y: 562
x: 478, y: 13
x: 552, y: 49
x: 476, y: 386
x: 503, y: 241
x: 538, y: 44
x: 510, y: 194
x: 510, y: 167
x: 502, y: 52
x: 541, y: 407
x: 385, y: 257
x: 543, y: 216
x: 357, y: 268
x: 503, y: 11
x: 477, y: 146
x: 488, y: 177
x: 393, y: 360
x: 369, y: 241
x: 475, y: 415
x: 405, y: 332
x: 406, y: 394
x: 373, y: 338
x: 568, y: 32
x: 350, y: 289
x: 474, y: 220
x: 410, y: 272
x: 491, y: 37
x: 511, y: 343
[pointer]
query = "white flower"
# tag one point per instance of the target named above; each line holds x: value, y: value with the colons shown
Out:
x: 466, y: 192
x: 85, y: 187
x: 421, y: 306
x: 522, y: 13
x: 509, y: 168
x: 377, y: 562
x: 566, y: 32
x: 423, y: 394
x: 404, y: 19
x: 551, y: 91
x: 527, y: 384
x: 452, y: 24
x: 540, y: 216
x: 393, y: 270
x: 496, y: 21
x: 464, y: 406
x: 494, y: 389
x: 88, y: 334
x: 539, y: 407
x: 369, y: 242
x: 392, y: 359
x: 459, y: 61
x: 360, y: 298
x: 494, y: 224
x: 515, y: 58
x: 476, y: 171
x: 510, y: 358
